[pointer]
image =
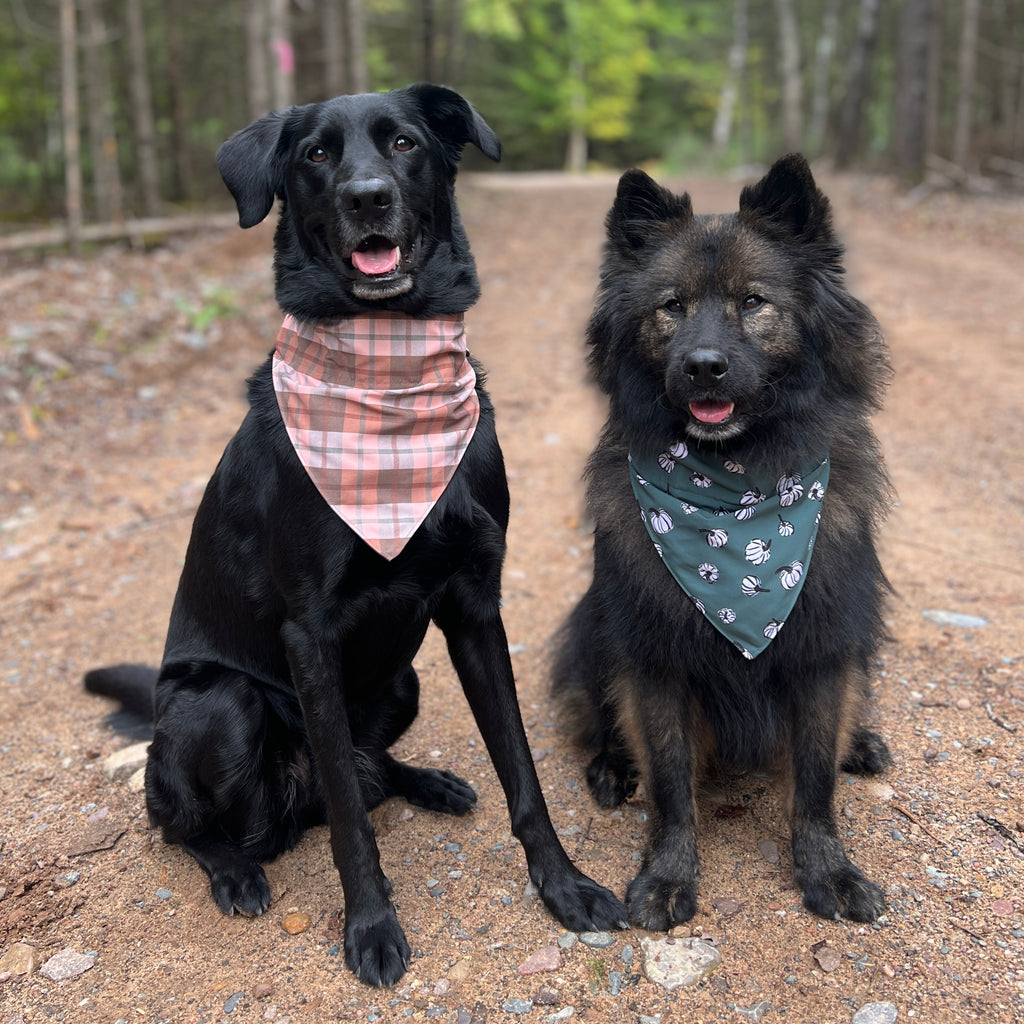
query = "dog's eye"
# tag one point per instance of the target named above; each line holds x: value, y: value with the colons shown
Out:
x: 403, y: 144
x: 752, y: 302
x: 317, y: 155
x: 673, y: 306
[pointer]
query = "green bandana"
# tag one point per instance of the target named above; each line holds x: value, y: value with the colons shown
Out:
x: 738, y: 544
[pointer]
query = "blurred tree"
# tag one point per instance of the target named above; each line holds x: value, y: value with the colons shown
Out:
x: 142, y: 108
x: 910, y: 130
x: 965, y: 83
x: 791, y: 76
x: 851, y: 112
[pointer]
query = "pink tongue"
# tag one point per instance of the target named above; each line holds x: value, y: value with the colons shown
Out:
x: 711, y: 412
x: 376, y: 261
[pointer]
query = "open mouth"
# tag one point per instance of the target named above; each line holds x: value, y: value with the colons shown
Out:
x: 381, y: 268
x: 376, y: 256
x: 711, y: 412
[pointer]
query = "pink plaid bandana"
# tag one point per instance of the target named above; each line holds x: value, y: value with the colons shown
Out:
x: 380, y: 409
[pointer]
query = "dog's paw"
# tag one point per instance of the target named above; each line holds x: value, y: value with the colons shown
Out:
x: 611, y: 779
x: 242, y: 887
x: 868, y: 754
x: 844, y: 893
x: 439, y: 791
x: 658, y: 904
x: 376, y: 950
x: 582, y: 905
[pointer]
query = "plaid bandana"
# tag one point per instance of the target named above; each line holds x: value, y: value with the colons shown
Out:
x: 739, y: 546
x: 379, y: 409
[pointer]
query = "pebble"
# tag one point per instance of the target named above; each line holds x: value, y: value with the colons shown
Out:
x: 564, y: 1014
x: 295, y: 924
x: 546, y: 959
x: 163, y: 894
x: 68, y: 963
x: 627, y: 955
x: 944, y: 618
x: 727, y: 907
x: 614, y: 982
x: 876, y: 1013
x: 566, y: 940
x: 678, y: 962
x: 21, y: 958
x: 757, y: 1011
x: 231, y: 1003
x: 126, y: 761
x: 769, y: 850
x: 597, y: 940
x: 828, y: 959
x: 517, y: 1006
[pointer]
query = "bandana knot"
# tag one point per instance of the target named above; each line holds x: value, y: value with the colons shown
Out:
x: 737, y: 543
x: 380, y: 410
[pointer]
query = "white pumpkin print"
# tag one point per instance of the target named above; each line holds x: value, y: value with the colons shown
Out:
x: 771, y: 630
x: 816, y: 491
x: 708, y: 572
x: 790, y: 490
x: 720, y: 511
x: 666, y: 462
x: 660, y: 550
x: 678, y: 450
x: 751, y: 586
x: 752, y: 497
x: 641, y: 480
x: 733, y: 467
x: 686, y: 508
x: 699, y: 605
x: 790, y: 575
x: 661, y: 521
x: 786, y: 528
x: 727, y: 615
x: 715, y: 538
x: 699, y: 479
x: 745, y: 513
x: 758, y: 551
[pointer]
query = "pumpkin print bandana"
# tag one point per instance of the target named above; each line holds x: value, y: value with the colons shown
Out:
x: 380, y: 410
x: 738, y: 544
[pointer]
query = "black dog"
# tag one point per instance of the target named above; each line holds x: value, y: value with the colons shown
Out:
x: 741, y: 376
x: 287, y: 671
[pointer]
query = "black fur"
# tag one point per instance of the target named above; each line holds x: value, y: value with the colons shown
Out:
x: 748, y: 308
x: 287, y: 671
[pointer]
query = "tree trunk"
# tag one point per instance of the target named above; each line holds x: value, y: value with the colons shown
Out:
x: 106, y: 175
x: 142, y: 106
x: 429, y: 41
x: 334, y: 48
x: 71, y: 129
x: 282, y: 60
x: 256, y: 55
x: 910, y: 123
x: 792, y: 82
x: 179, y: 108
x: 576, y: 145
x: 823, y: 55
x: 851, y: 111
x: 355, y: 32
x: 721, y: 132
x: 965, y: 84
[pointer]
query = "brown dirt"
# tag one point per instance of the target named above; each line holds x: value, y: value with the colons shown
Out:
x: 112, y: 424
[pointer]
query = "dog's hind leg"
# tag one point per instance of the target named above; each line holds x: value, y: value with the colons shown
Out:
x: 866, y: 754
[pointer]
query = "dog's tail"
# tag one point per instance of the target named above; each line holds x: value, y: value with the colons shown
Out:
x: 132, y: 685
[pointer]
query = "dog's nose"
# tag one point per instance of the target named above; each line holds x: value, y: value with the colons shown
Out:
x: 706, y: 366
x: 368, y: 199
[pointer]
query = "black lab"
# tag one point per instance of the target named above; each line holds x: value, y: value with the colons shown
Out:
x: 287, y: 671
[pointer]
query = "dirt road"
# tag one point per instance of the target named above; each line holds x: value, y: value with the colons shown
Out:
x: 121, y: 379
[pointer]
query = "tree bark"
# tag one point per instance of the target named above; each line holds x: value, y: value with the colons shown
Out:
x: 792, y: 81
x: 721, y: 131
x: 355, y: 33
x: 967, y: 65
x: 106, y: 175
x: 429, y: 41
x: 71, y: 128
x: 824, y: 52
x: 256, y: 56
x: 334, y: 48
x: 851, y: 111
x: 282, y: 59
x: 142, y: 106
x: 910, y: 122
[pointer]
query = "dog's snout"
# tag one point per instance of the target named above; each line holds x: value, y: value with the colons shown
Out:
x: 706, y: 366
x: 367, y: 199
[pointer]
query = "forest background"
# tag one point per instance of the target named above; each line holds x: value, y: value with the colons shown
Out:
x: 111, y: 110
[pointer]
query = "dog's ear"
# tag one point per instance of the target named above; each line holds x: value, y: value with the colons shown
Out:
x: 253, y: 164
x: 788, y: 198
x: 454, y: 121
x: 641, y: 206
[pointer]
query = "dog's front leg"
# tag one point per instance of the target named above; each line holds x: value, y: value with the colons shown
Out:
x: 375, y: 946
x: 831, y: 884
x: 479, y: 650
x: 664, y: 893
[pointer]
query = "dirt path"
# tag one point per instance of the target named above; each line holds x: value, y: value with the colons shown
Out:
x: 119, y: 385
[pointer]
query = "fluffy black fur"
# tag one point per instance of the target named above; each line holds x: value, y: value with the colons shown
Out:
x: 287, y: 671
x: 748, y: 308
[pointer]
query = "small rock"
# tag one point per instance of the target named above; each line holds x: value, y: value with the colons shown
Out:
x: 517, y: 1006
x: 137, y: 783
x: 944, y: 618
x: 614, y: 982
x: 881, y: 791
x: 876, y: 1013
x: 68, y: 879
x: 679, y: 962
x: 627, y: 955
x: 295, y: 924
x: 68, y: 963
x: 564, y: 1014
x: 127, y: 761
x: 1003, y: 907
x: 963, y: 704
x: 460, y: 971
x: 546, y: 959
x: 21, y: 958
x: 828, y: 959
x: 231, y: 1003
x: 597, y: 940
x: 757, y: 1011
x: 566, y: 940
x: 769, y: 850
x: 163, y: 894
x: 263, y: 990
x: 727, y: 907
x: 546, y: 997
